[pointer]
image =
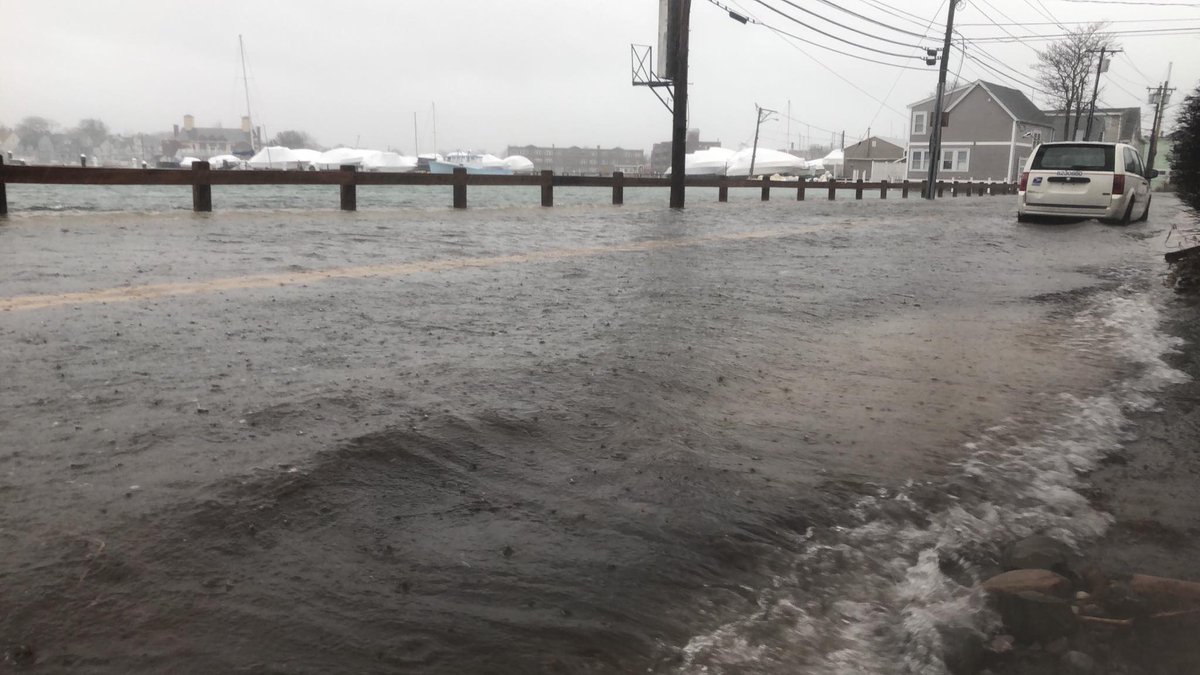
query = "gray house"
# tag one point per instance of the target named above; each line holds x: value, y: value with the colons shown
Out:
x: 988, y: 132
x: 1111, y: 125
x: 860, y: 157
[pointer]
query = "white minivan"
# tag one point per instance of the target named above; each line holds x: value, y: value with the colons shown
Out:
x: 1085, y: 180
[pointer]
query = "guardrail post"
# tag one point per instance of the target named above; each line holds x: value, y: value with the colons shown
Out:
x: 349, y: 189
x: 3, y: 191
x: 954, y: 189
x: 201, y: 189
x: 460, y: 187
x: 766, y: 188
x: 800, y: 190
x: 904, y: 190
x: 832, y: 188
x: 618, y: 188
x: 858, y: 188
x: 723, y: 189
x: 547, y: 188
x: 883, y: 188
x: 940, y: 188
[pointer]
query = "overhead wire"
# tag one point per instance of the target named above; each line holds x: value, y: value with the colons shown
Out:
x: 831, y: 35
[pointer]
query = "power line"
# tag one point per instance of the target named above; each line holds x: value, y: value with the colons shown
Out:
x: 1132, y: 2
x: 868, y: 19
x: 896, y: 12
x: 831, y: 35
x: 1146, y: 32
x: 782, y: 32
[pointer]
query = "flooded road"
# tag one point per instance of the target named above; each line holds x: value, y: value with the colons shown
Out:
x: 751, y: 437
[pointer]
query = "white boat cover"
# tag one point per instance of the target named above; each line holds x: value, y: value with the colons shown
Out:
x: 710, y: 162
x: 220, y: 161
x: 492, y: 162
x: 335, y: 158
x: 766, y: 162
x: 187, y: 162
x: 519, y: 164
x: 377, y: 160
x: 276, y: 157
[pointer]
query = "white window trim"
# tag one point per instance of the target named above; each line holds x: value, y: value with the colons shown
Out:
x: 955, y: 166
x: 924, y: 117
x: 923, y: 164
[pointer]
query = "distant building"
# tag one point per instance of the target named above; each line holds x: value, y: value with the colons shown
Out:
x: 660, y: 154
x: 860, y: 157
x: 577, y: 160
x: 204, y: 142
x: 988, y: 131
x: 1110, y: 125
x: 9, y: 142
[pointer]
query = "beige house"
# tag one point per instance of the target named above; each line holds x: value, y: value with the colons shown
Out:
x: 988, y: 131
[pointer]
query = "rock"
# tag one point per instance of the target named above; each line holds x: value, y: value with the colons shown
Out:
x: 1035, y: 617
x: 962, y: 649
x: 1082, y: 595
x: 21, y: 655
x: 1078, y: 662
x: 1001, y: 644
x: 1037, y: 552
x: 1041, y: 581
x: 1058, y: 646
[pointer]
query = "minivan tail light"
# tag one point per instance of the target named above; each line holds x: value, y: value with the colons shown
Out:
x: 1024, y: 181
x: 1119, y: 184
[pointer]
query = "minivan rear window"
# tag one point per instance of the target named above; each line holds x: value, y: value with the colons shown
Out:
x: 1072, y: 157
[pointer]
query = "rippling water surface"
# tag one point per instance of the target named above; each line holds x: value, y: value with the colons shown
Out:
x: 750, y: 437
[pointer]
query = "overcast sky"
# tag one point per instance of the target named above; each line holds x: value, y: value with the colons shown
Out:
x: 515, y: 72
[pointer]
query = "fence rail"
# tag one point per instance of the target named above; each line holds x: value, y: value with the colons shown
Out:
x: 201, y: 179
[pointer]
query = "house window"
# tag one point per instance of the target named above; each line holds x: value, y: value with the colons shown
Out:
x: 920, y: 160
x: 956, y: 160
x: 920, y: 124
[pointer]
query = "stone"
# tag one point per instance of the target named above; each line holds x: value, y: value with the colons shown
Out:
x: 1078, y: 662
x: 962, y: 649
x: 1041, y: 581
x: 1037, y: 552
x: 1033, y: 617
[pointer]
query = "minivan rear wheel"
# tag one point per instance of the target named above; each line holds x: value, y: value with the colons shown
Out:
x: 1123, y: 220
x: 1145, y: 214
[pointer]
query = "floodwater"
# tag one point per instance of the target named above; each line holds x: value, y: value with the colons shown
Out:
x: 745, y: 438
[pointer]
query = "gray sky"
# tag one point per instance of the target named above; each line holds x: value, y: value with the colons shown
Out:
x: 512, y: 71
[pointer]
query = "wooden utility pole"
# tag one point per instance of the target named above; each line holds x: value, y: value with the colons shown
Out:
x: 763, y: 115
x: 679, y: 107
x: 1159, y: 98
x: 1087, y: 132
x: 935, y: 129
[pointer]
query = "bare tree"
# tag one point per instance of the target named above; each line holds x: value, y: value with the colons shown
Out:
x: 1065, y: 70
x: 32, y: 129
x: 90, y: 133
x: 294, y: 139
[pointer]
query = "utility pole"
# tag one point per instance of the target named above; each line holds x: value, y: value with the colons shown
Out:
x: 416, y: 150
x: 679, y: 107
x: 935, y: 130
x: 763, y: 115
x: 1087, y: 132
x: 1159, y: 98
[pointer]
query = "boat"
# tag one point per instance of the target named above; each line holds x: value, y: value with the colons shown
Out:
x: 473, y: 162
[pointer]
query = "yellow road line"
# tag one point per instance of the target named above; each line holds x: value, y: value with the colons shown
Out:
x: 151, y: 291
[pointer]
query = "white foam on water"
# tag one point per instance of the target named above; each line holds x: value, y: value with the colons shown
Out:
x: 880, y: 594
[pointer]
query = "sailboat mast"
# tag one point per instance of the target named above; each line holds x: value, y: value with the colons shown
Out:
x: 246, y: 82
x: 433, y: 108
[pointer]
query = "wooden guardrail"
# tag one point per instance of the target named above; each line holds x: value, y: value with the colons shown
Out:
x: 201, y: 178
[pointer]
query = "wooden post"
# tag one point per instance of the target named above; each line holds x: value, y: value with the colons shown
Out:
x: 349, y: 189
x: 3, y: 191
x: 800, y: 190
x: 618, y: 188
x: 722, y: 189
x: 460, y: 187
x: 766, y: 188
x: 954, y: 189
x: 548, y: 188
x: 883, y: 188
x: 201, y: 189
x: 832, y: 188
x: 904, y: 190
x: 941, y: 186
x: 858, y: 188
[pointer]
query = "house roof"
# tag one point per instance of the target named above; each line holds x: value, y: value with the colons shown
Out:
x: 884, y: 149
x: 233, y: 135
x: 1131, y: 119
x: 1013, y: 101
